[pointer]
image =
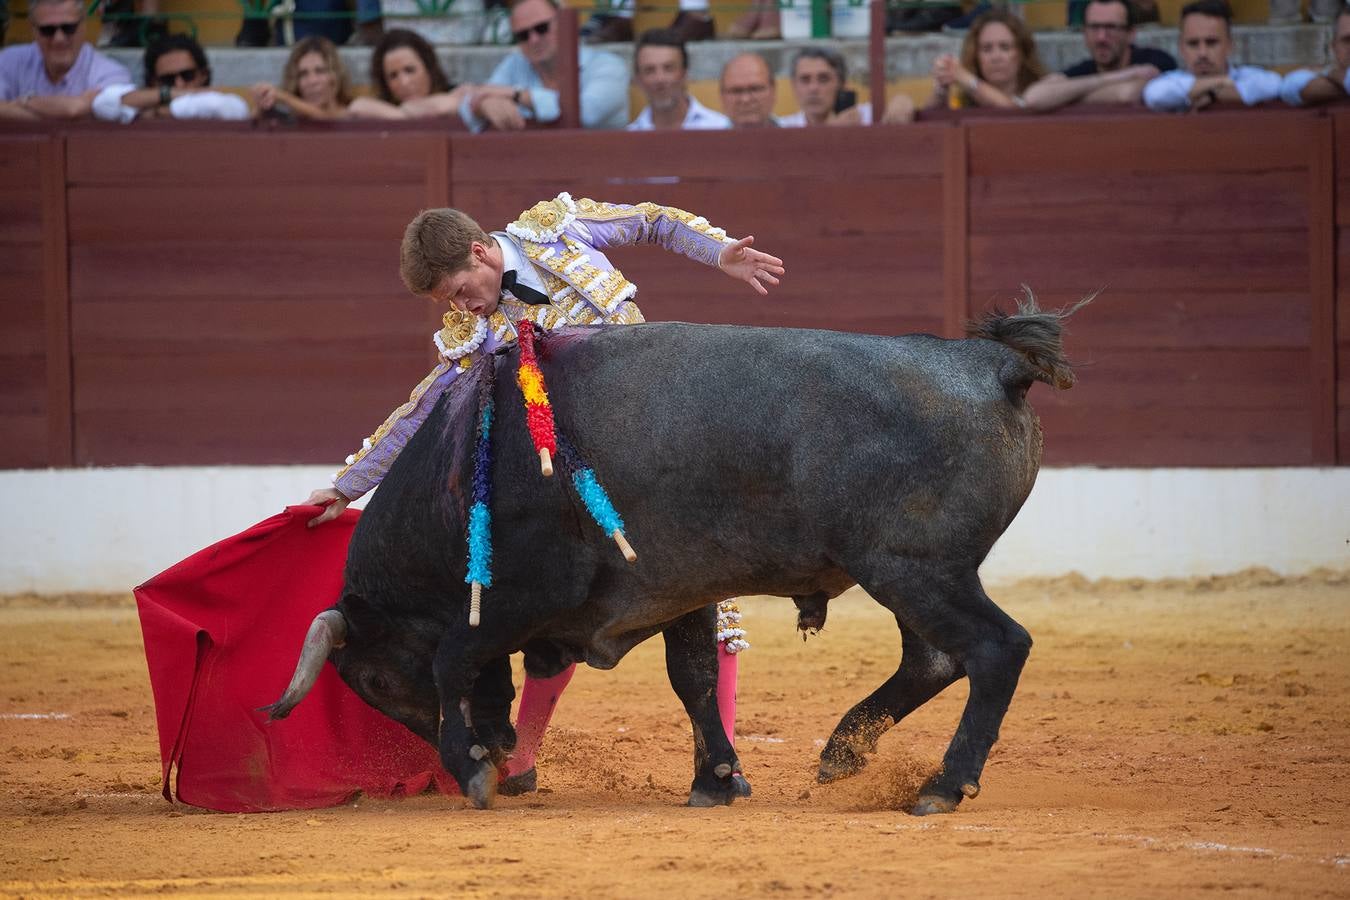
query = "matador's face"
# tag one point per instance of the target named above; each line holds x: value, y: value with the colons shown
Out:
x: 477, y: 287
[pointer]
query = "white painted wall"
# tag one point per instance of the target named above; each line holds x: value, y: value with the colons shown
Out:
x: 110, y: 529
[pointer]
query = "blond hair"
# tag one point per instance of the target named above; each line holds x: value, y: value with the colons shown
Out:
x: 290, y: 75
x: 436, y: 244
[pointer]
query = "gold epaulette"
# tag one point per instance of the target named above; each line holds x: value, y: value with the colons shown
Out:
x: 546, y: 220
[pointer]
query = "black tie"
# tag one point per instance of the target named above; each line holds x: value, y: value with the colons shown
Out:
x: 522, y: 291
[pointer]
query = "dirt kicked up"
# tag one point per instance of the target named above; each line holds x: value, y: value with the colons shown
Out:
x: 1167, y: 739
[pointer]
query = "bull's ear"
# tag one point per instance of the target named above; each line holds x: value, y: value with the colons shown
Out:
x: 327, y: 631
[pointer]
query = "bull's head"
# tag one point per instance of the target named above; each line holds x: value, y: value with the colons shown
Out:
x: 327, y: 632
x: 390, y: 672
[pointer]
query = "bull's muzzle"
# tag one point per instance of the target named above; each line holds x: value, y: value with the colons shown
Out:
x: 327, y: 631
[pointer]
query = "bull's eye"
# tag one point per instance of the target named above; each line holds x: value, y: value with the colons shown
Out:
x: 377, y: 683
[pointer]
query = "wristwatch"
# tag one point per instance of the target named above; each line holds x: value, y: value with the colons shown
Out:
x: 515, y: 96
x: 165, y: 94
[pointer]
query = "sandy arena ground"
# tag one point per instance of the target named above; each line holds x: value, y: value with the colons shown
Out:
x: 1170, y: 740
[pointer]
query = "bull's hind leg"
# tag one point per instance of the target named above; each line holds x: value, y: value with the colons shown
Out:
x: 948, y: 608
x: 691, y: 663
x: 923, y: 673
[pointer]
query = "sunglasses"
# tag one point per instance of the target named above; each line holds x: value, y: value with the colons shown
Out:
x: 66, y: 28
x: 186, y: 76
x: 523, y: 35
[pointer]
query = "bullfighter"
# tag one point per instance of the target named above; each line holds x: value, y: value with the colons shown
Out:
x: 548, y: 266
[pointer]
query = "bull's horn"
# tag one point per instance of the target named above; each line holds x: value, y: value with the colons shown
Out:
x: 328, y: 630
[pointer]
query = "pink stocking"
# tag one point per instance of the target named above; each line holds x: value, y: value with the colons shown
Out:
x: 726, y: 690
x: 537, y: 700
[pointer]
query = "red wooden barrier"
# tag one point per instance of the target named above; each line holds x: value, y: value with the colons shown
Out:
x: 231, y: 296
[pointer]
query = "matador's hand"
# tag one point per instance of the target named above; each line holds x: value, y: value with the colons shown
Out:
x: 743, y: 262
x: 333, y: 499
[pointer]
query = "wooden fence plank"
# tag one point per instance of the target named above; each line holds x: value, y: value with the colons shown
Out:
x: 56, y: 301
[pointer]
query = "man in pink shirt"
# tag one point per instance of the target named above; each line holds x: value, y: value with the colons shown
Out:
x: 56, y: 76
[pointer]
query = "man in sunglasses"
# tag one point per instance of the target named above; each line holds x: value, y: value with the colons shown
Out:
x: 177, y: 82
x: 532, y: 70
x: 1116, y: 70
x: 58, y: 74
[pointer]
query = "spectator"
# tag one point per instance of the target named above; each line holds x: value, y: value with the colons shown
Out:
x: 1209, y: 79
x: 123, y: 23
x: 531, y: 72
x: 1117, y: 70
x: 615, y: 23
x: 762, y: 22
x: 917, y: 19
x: 409, y: 81
x: 748, y: 92
x: 1290, y: 12
x: 998, y: 63
x: 661, y: 67
x: 300, y: 19
x: 314, y: 83
x: 58, y: 74
x: 818, y: 81
x: 176, y: 80
x: 1304, y: 87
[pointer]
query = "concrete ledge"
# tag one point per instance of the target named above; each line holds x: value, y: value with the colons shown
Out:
x: 105, y: 530
x: 1272, y: 46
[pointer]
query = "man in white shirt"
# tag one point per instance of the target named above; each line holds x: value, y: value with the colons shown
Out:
x: 1209, y: 78
x: 1306, y: 87
x: 661, y: 69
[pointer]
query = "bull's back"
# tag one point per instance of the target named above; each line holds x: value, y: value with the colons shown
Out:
x: 799, y: 441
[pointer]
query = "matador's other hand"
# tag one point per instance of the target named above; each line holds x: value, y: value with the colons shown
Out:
x: 331, y: 498
x: 744, y: 263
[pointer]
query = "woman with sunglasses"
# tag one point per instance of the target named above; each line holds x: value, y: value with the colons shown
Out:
x: 314, y: 84
x: 410, y: 83
x: 177, y: 82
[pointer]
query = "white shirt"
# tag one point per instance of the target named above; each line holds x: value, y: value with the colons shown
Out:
x: 514, y: 260
x: 1170, y: 90
x: 1291, y: 89
x: 798, y: 119
x: 697, y: 117
x: 108, y: 105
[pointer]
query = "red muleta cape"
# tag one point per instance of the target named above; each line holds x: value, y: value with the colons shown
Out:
x: 223, y: 630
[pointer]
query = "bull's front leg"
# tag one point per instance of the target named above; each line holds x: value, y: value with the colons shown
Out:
x: 691, y: 663
x: 469, y: 762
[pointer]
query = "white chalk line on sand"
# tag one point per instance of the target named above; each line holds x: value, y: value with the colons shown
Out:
x: 31, y: 716
x: 1339, y: 861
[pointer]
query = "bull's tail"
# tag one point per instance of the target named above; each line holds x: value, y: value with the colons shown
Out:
x: 1036, y: 334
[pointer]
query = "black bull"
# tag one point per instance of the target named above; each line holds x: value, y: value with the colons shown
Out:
x: 744, y: 461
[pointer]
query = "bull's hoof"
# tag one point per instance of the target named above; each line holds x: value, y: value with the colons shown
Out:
x: 718, y: 790
x: 739, y: 785
x: 481, y: 788
x: 931, y: 804
x: 515, y: 785
x: 840, y: 763
x: 704, y: 800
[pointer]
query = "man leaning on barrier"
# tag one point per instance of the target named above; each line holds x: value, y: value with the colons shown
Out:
x: 56, y: 76
x: 1307, y: 87
x: 532, y: 69
x: 1210, y: 78
x: 1115, y: 71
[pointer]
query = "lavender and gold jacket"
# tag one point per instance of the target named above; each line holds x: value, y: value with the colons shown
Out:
x: 563, y: 240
